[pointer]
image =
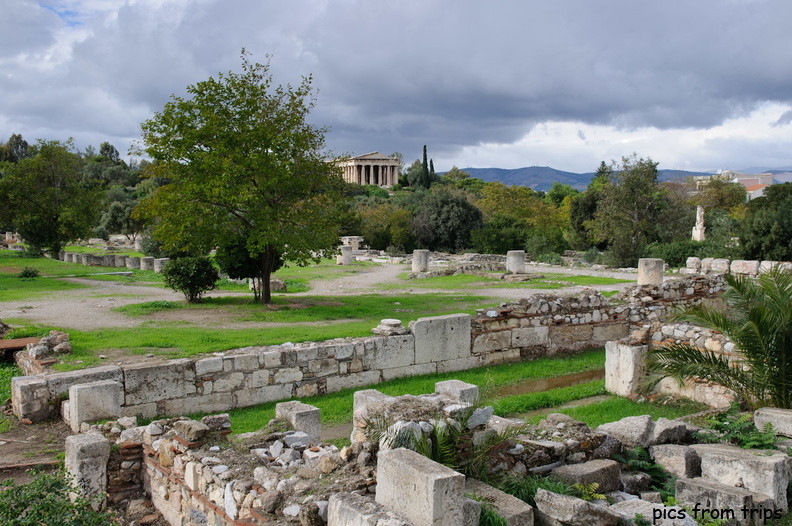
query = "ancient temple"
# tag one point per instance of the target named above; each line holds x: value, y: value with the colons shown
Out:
x: 371, y: 168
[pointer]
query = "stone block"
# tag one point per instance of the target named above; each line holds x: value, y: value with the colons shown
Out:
x: 302, y: 417
x: 270, y: 359
x: 159, y: 264
x: 152, y: 383
x: 610, y: 331
x: 208, y: 403
x: 631, y: 431
x: 492, y: 341
x: 462, y: 391
x: 94, y: 401
x: 720, y: 266
x: 513, y: 510
x: 767, y: 266
x: 680, y: 461
x: 441, y: 338
x: 242, y: 362
x: 605, y: 473
x: 780, y: 419
x: 258, y: 378
x: 133, y: 262
x: 108, y: 260
x: 351, y: 509
x: 693, y: 263
x: 530, y: 336
x: 59, y: 383
x: 706, y: 265
x: 345, y: 258
x: 336, y: 383
x: 703, y: 494
x: 31, y: 398
x: 625, y: 367
x: 389, y: 352
x: 228, y: 382
x: 515, y: 262
x: 744, y: 267
x: 410, y: 370
x: 119, y: 261
x: 423, y: 491
x: 765, y: 472
x: 147, y: 263
x: 564, y: 334
x: 288, y: 375
x: 86, y: 462
x: 650, y: 271
x: 554, y: 509
x: 461, y: 364
x: 208, y: 365
x: 675, y: 516
x: 191, y: 430
x: 420, y: 261
x: 270, y: 393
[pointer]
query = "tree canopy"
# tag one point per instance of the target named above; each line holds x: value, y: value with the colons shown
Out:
x: 241, y: 159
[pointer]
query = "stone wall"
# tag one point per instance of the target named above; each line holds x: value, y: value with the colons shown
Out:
x: 753, y: 268
x: 539, y: 326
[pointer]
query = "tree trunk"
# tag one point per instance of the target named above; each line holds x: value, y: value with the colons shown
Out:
x: 268, y: 259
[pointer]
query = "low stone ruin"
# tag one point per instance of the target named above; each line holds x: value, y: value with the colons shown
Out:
x: 36, y: 358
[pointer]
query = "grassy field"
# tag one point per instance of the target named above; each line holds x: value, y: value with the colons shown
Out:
x: 617, y: 407
x: 457, y: 281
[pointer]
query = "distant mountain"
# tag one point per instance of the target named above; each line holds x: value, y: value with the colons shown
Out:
x: 762, y: 170
x: 543, y: 177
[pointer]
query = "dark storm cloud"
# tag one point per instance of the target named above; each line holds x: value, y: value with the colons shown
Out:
x: 396, y: 75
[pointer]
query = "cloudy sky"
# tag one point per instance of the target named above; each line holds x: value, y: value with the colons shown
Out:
x: 695, y: 85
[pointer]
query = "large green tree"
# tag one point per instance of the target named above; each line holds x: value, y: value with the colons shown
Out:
x: 46, y: 199
x: 445, y: 220
x: 241, y: 158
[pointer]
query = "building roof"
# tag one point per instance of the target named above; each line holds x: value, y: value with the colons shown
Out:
x: 755, y: 187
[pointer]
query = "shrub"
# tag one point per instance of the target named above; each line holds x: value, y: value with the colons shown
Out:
x: 28, y: 273
x: 192, y: 276
x: 592, y: 256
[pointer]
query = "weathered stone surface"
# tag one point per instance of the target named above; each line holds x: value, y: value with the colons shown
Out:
x: 94, y: 401
x: 492, y: 341
x: 634, y: 482
x: 745, y: 267
x: 703, y: 494
x: 410, y: 370
x: 693, y: 263
x: 650, y: 271
x: 530, y: 336
x: 631, y: 431
x: 566, y: 334
x: 554, y: 509
x: 780, y: 419
x: 159, y: 264
x: 427, y: 493
x: 515, y: 511
x: 147, y: 263
x: 31, y: 399
x: 349, y: 509
x: 86, y: 461
x: 610, y: 331
x: 420, y: 261
x: 133, y: 262
x: 191, y: 430
x: 441, y: 338
x: 208, y: 366
x: 669, y: 432
x: 151, y: 383
x: 259, y: 395
x: 345, y: 257
x: 59, y: 383
x: 680, y: 461
x: 605, y: 473
x: 765, y: 472
x: 720, y: 266
x: 460, y: 390
x: 336, y: 383
x: 674, y: 515
x: 302, y: 417
x: 515, y: 261
x: 625, y: 367
x: 390, y: 352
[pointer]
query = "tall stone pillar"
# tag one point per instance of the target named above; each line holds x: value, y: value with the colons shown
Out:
x: 345, y: 258
x: 650, y: 271
x: 699, y: 229
x: 420, y: 261
x: 86, y: 461
x: 515, y: 261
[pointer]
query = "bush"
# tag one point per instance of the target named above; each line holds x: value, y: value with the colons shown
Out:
x: 28, y: 273
x: 676, y: 253
x: 592, y: 256
x: 192, y: 276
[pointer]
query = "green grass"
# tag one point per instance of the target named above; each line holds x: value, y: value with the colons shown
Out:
x: 336, y: 408
x: 13, y: 288
x: 461, y: 281
x: 79, y: 249
x: 513, y: 405
x: 617, y: 407
x: 7, y: 371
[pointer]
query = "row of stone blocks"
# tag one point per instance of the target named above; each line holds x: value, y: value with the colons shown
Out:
x: 116, y: 261
x: 753, y: 268
x: 515, y: 261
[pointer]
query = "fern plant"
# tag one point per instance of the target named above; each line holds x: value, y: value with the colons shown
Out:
x: 525, y: 487
x: 638, y: 459
x: 738, y: 429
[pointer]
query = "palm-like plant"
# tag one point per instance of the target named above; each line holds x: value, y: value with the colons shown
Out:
x: 758, y: 320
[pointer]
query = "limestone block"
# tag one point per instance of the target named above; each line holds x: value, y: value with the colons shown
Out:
x: 680, y: 461
x: 629, y: 509
x: 208, y: 366
x: 108, y: 260
x: 228, y: 382
x: 720, y: 266
x: 781, y: 420
x: 610, y: 331
x: 530, y: 336
x: 133, y: 262
x: 345, y: 258
x: 631, y: 431
x: 270, y: 359
x: 625, y: 367
x: 147, y: 263
x: 389, y: 351
x: 552, y: 508
x: 270, y: 393
x: 350, y: 509
x: 441, y: 338
x: 420, y: 261
x: 302, y: 417
x: 700, y: 493
x: 693, y: 263
x: 706, y: 265
x: 762, y: 472
x: 151, y: 383
x: 744, y: 267
x: 650, y: 271
x: 86, y: 461
x: 492, y: 341
x: 242, y: 362
x: 461, y: 364
x: 336, y: 383
x: 59, y: 383
x: 669, y: 432
x: 288, y: 375
x: 425, y: 492
x: 119, y: 261
x: 515, y: 511
x: 30, y: 398
x: 462, y: 391
x: 191, y: 430
x: 410, y: 370
x: 564, y: 334
x: 767, y: 266
x: 515, y: 262
x: 94, y: 401
x: 208, y: 403
x: 258, y: 378
x: 606, y: 473
x: 159, y: 264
